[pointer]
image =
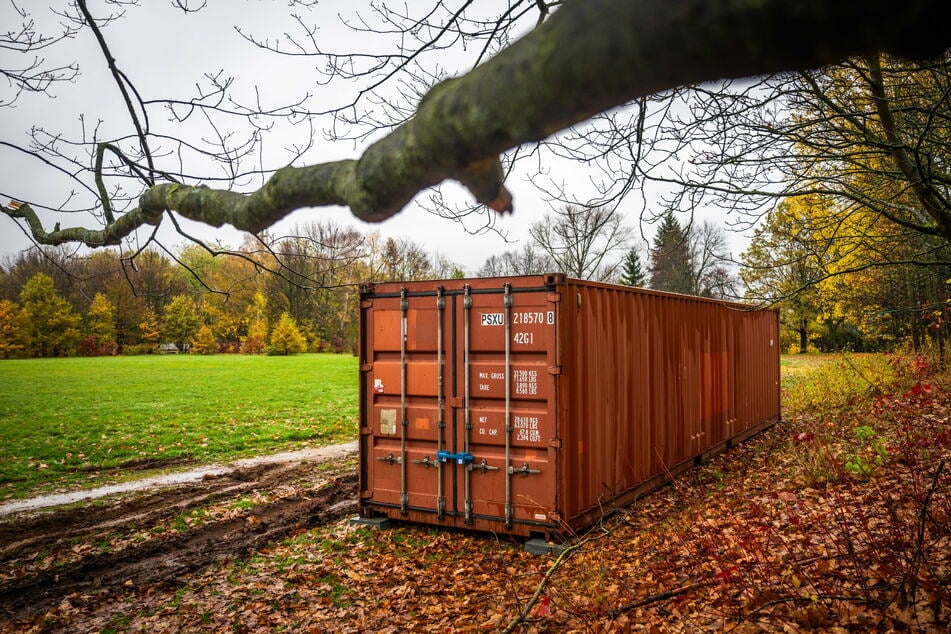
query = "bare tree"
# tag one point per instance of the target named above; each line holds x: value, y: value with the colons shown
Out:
x: 27, y: 44
x: 528, y: 260
x: 586, y: 243
x: 711, y: 261
x: 560, y: 74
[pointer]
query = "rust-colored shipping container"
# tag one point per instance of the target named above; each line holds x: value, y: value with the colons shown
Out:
x: 534, y: 405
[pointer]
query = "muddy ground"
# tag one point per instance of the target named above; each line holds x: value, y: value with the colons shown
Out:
x: 112, y: 546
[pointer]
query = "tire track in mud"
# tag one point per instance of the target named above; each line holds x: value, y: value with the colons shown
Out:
x: 49, y: 529
x: 170, y: 558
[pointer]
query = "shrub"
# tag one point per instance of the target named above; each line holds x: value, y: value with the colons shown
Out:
x: 253, y: 344
x: 91, y: 347
x: 795, y: 349
x: 286, y: 338
x: 204, y: 341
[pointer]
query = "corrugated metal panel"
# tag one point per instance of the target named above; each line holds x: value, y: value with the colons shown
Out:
x: 532, y: 404
x: 653, y: 381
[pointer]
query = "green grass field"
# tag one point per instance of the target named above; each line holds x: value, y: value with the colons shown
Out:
x: 66, y: 422
x: 85, y: 421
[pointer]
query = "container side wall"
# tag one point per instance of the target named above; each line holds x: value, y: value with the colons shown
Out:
x: 651, y: 381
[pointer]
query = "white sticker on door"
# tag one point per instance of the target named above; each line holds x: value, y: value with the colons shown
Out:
x: 388, y: 422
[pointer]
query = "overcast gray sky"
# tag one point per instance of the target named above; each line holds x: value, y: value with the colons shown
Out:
x: 166, y: 53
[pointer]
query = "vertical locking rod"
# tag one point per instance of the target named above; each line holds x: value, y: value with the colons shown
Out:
x: 440, y: 402
x: 404, y: 307
x: 508, y: 405
x: 467, y: 305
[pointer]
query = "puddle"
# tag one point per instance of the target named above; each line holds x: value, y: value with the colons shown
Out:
x: 317, y: 454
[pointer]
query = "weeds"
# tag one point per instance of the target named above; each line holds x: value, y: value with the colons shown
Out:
x: 848, y: 379
x: 837, y: 518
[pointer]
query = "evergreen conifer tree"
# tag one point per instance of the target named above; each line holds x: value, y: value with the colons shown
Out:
x: 671, y: 264
x: 632, y: 272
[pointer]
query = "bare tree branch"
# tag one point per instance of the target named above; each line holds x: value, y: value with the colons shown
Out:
x: 562, y: 73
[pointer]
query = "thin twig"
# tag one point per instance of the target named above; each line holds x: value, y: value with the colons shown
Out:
x: 912, y: 574
x: 562, y: 558
x: 663, y: 596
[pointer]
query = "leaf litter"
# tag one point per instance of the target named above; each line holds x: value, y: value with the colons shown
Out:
x: 777, y: 535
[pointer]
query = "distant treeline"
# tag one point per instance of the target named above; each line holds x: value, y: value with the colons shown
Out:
x: 277, y: 296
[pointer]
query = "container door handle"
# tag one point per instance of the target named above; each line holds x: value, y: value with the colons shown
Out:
x: 524, y: 470
x: 426, y: 462
x: 390, y: 459
x: 483, y: 466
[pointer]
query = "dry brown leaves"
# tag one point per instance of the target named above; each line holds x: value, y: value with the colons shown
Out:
x: 776, y: 536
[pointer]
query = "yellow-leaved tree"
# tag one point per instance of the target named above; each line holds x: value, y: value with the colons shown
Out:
x: 286, y: 338
x: 204, y: 341
x: 14, y: 335
x: 256, y: 317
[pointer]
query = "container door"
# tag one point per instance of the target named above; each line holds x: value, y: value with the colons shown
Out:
x: 406, y: 350
x: 460, y: 401
x: 509, y: 368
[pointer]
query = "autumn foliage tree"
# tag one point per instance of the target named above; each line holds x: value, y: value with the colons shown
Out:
x: 204, y: 341
x: 14, y: 333
x: 53, y: 325
x: 180, y: 321
x: 286, y: 338
x: 256, y: 338
x: 150, y: 332
x: 842, y: 277
x: 100, y: 327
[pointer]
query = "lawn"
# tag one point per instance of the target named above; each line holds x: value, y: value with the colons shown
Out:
x: 66, y: 422
x: 82, y: 421
x: 812, y: 382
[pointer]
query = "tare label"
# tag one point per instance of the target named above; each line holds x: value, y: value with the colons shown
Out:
x: 493, y: 319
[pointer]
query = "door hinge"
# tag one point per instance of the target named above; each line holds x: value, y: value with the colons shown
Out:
x: 554, y: 369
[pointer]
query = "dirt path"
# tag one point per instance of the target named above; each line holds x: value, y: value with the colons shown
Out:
x: 177, y: 478
x: 140, y: 539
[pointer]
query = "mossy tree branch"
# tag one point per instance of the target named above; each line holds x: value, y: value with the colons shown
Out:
x: 589, y: 56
